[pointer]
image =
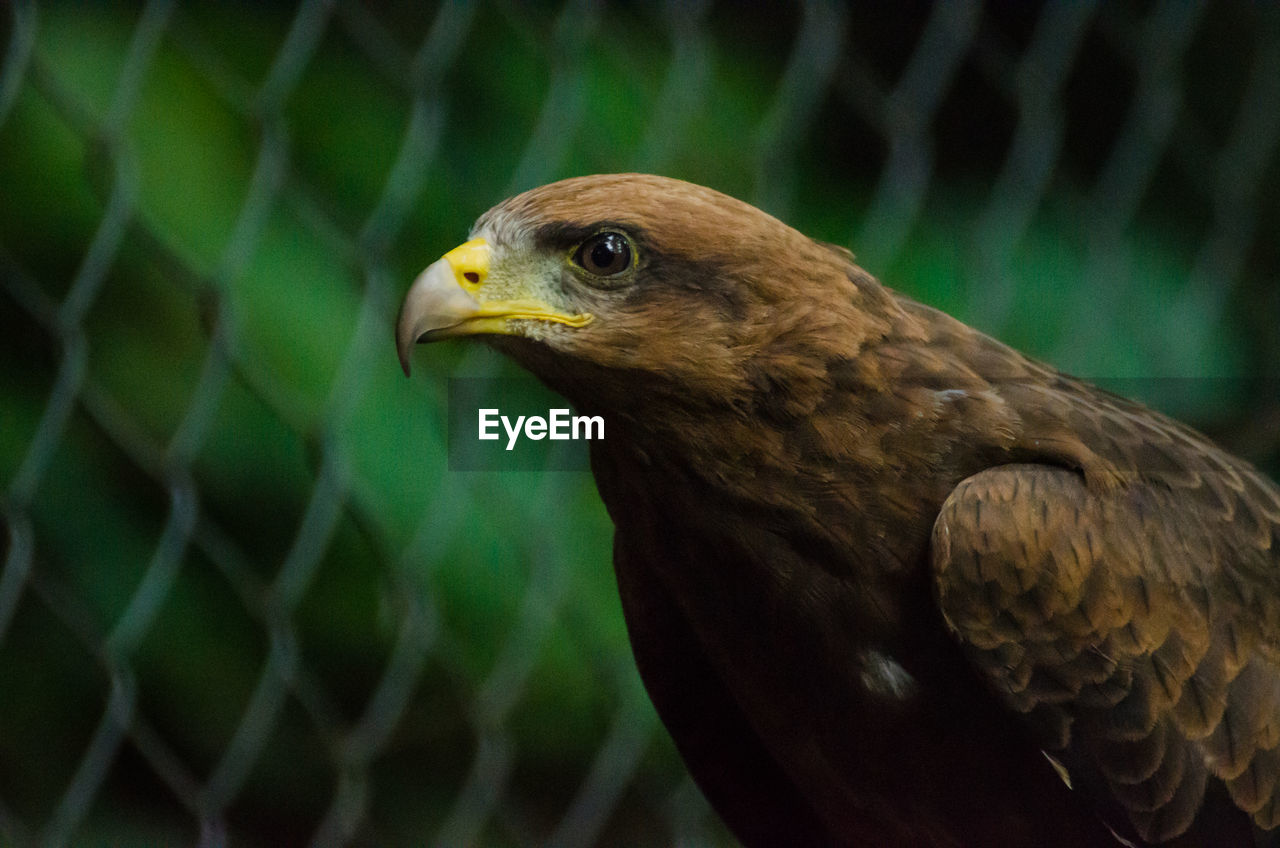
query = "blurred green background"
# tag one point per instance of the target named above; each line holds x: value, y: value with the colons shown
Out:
x: 242, y: 599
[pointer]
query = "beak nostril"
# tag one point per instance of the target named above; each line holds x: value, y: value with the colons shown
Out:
x: 472, y: 277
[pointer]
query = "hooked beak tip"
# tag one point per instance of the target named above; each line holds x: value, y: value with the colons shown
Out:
x: 406, y: 337
x: 434, y: 301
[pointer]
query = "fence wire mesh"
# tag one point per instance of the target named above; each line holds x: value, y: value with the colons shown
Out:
x: 241, y: 600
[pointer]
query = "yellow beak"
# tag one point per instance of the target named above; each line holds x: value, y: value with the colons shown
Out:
x: 447, y: 300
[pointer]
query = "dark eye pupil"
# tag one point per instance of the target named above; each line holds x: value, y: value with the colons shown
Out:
x: 605, y: 254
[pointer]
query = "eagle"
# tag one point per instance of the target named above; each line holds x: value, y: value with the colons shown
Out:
x: 887, y: 581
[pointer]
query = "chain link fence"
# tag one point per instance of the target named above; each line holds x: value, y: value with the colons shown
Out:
x: 242, y: 602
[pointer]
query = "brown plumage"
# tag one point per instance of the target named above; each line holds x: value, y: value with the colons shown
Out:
x: 876, y: 565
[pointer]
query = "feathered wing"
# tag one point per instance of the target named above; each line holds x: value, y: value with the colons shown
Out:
x: 1137, y: 625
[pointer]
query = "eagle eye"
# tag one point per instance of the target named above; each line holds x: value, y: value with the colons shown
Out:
x: 605, y: 254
